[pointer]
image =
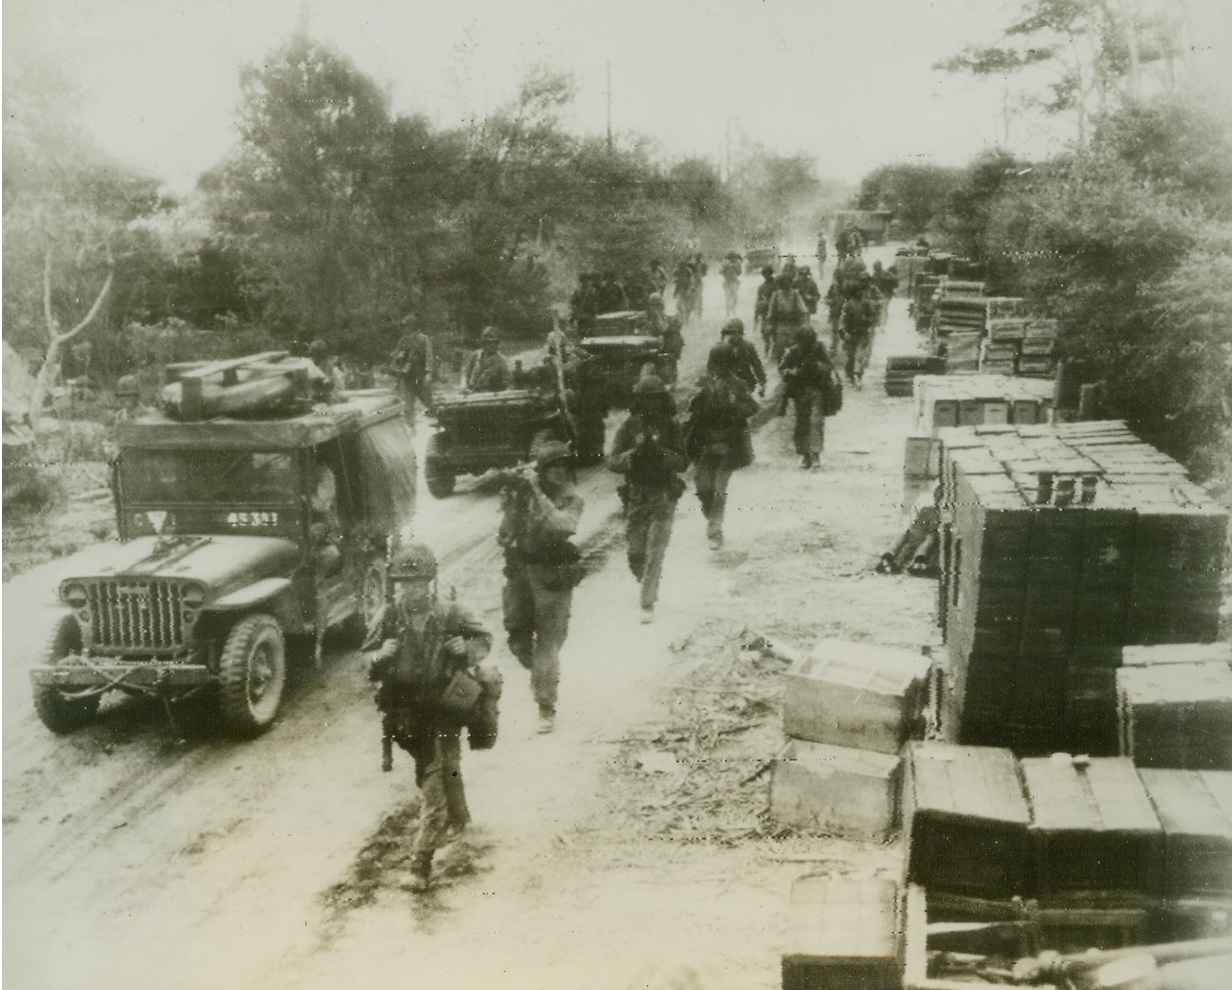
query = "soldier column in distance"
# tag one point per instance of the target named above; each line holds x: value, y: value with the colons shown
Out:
x: 648, y: 450
x: 540, y: 512
x: 425, y: 644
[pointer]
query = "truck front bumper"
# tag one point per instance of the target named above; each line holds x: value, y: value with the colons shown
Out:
x: 91, y: 675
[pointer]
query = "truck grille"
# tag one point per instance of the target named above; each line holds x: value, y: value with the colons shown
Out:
x: 136, y: 614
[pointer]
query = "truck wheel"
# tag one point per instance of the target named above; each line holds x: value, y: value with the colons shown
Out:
x: 440, y: 480
x: 252, y: 674
x: 57, y: 709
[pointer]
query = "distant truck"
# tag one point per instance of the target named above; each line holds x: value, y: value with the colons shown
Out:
x: 874, y: 225
x: 240, y: 538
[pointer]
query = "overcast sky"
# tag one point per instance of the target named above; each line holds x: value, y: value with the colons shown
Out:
x: 847, y: 81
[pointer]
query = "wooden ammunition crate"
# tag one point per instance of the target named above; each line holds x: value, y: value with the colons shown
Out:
x: 1094, y: 830
x: 1195, y: 810
x: 1145, y: 656
x: 842, y: 935
x: 965, y: 820
x: 1176, y: 715
x: 835, y: 789
x: 854, y: 694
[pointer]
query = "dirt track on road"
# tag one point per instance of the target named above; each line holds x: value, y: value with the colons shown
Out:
x: 633, y: 839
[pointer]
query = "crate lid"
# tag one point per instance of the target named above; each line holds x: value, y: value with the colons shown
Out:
x: 1170, y: 653
x: 881, y: 669
x: 1191, y: 802
x: 1177, y: 683
x: 967, y: 782
x: 1069, y: 793
x: 823, y: 758
x: 838, y: 918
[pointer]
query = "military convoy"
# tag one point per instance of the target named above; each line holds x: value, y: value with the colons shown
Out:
x: 242, y: 542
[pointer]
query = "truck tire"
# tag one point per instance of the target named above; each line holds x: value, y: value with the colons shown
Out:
x: 252, y: 674
x: 57, y: 709
x: 440, y: 480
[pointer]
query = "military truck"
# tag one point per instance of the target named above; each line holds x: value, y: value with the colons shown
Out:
x: 620, y: 345
x: 242, y: 542
x: 485, y: 430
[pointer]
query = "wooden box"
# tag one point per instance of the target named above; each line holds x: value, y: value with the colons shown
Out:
x: 854, y: 694
x: 842, y: 935
x: 1176, y: 715
x: 965, y: 820
x: 1195, y: 809
x: 1094, y: 831
x: 835, y: 789
x: 1145, y: 656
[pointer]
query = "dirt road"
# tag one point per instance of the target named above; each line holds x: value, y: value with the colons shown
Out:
x: 631, y: 841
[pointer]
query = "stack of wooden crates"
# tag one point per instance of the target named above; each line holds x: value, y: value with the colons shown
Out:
x: 1060, y: 545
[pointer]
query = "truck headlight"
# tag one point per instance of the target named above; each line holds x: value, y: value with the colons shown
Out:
x: 74, y: 594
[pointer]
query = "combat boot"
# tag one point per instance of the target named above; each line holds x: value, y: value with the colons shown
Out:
x: 547, y: 719
x: 419, y: 879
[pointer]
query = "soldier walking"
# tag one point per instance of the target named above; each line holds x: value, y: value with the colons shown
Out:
x: 856, y: 323
x: 717, y: 436
x: 786, y: 313
x: 761, y: 307
x: 749, y: 368
x: 412, y: 367
x: 649, y: 451
x: 542, y: 567
x: 425, y: 644
x: 806, y: 371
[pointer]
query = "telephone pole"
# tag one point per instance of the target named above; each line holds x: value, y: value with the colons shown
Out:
x: 609, y: 107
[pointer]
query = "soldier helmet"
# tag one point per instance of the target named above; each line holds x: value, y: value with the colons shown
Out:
x: 126, y: 386
x: 767, y: 271
x: 317, y: 349
x: 806, y: 334
x: 732, y: 326
x: 655, y: 301
x: 409, y: 321
x: 414, y: 562
x: 548, y: 452
x: 489, y: 335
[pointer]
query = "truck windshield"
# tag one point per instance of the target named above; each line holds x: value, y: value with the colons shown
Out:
x: 219, y: 477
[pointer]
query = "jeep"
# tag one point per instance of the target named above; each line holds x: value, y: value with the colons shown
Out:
x: 238, y: 538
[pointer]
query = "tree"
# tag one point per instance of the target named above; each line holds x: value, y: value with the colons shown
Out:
x: 68, y: 213
x: 296, y: 193
x: 1093, y: 50
x: 915, y: 194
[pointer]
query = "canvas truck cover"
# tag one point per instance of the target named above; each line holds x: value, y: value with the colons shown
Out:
x: 387, y: 474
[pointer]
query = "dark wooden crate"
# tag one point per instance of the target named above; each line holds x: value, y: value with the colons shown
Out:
x: 1091, y: 722
x: 842, y: 935
x: 1195, y: 810
x: 1177, y: 716
x: 965, y: 820
x: 1094, y: 829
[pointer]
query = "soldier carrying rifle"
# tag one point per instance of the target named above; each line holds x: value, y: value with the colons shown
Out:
x: 429, y: 687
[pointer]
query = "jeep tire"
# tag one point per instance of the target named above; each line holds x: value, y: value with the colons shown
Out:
x: 252, y: 674
x: 60, y: 711
x: 440, y: 480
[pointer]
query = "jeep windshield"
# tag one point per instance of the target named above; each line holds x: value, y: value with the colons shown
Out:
x: 209, y: 477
